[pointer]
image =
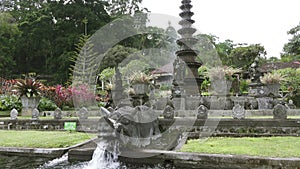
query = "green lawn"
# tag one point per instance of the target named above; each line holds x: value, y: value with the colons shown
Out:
x: 263, y: 146
x: 49, y: 118
x: 6, y: 113
x: 42, y: 139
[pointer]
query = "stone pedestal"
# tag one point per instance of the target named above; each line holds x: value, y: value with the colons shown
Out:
x: 220, y: 103
x: 192, y: 103
x: 179, y: 103
x: 83, y: 113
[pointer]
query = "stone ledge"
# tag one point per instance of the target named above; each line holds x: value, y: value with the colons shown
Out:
x: 40, y: 152
x: 182, y: 159
x: 195, y: 160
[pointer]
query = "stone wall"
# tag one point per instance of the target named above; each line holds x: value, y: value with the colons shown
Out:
x: 212, y: 126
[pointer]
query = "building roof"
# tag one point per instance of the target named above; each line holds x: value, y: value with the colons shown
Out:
x: 280, y: 65
x: 166, y: 69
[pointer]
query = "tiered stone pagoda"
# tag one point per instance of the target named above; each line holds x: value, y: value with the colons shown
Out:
x: 186, y: 78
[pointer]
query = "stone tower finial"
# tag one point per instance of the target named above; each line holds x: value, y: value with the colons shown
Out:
x: 186, y: 55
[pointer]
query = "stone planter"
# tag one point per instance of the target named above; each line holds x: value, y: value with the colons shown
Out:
x: 273, y: 88
x: 221, y: 86
x: 29, y: 104
x: 140, y: 88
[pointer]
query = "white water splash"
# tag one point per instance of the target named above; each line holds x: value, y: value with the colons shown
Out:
x: 55, y: 162
x: 102, y: 159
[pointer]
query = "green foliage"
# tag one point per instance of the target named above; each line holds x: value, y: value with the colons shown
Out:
x: 116, y: 55
x: 84, y: 62
x: 292, y: 80
x: 224, y: 49
x: 244, y: 85
x: 117, y: 7
x: 133, y: 67
x: 205, y: 85
x: 107, y: 74
x: 49, y: 31
x: 202, y: 70
x: 9, y: 32
x: 262, y: 146
x: 46, y: 105
x: 207, y: 52
x: 165, y: 87
x: 292, y: 48
x: 243, y: 57
x: 8, y: 102
x: 291, y: 84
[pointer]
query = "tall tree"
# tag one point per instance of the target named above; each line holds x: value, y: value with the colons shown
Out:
x: 117, y: 7
x: 292, y: 48
x: 85, y: 62
x: 50, y: 31
x: 8, y: 35
x: 243, y: 57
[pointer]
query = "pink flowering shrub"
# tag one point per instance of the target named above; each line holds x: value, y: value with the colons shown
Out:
x: 83, y: 96
x: 70, y: 96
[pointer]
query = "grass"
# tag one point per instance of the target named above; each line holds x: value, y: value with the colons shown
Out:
x: 49, y: 118
x: 42, y: 139
x: 5, y: 113
x: 263, y: 146
x: 253, y: 117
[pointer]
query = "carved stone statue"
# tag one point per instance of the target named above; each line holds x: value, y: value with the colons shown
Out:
x: 130, y: 124
x: 14, y: 114
x: 35, y: 114
x: 57, y: 114
x: 179, y: 70
x: 83, y: 113
x: 238, y: 112
x: 168, y: 112
x: 202, y: 112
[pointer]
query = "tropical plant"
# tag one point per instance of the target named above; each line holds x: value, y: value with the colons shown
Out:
x: 130, y: 91
x: 28, y: 87
x: 218, y: 73
x: 272, y: 78
x: 140, y: 78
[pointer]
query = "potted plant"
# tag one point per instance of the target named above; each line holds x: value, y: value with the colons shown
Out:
x: 29, y: 91
x: 272, y: 82
x: 140, y: 82
x: 221, y: 78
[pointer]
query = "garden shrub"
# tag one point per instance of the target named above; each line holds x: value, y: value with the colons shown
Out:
x: 66, y: 97
x: 8, y: 102
x: 46, y: 105
x: 291, y: 85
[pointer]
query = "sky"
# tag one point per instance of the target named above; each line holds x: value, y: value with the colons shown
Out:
x: 264, y: 22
